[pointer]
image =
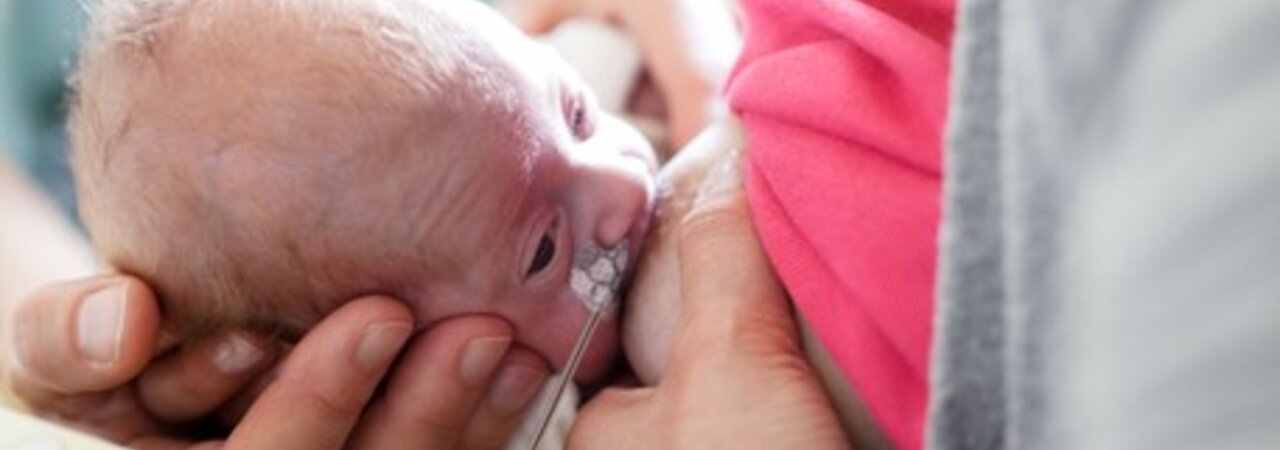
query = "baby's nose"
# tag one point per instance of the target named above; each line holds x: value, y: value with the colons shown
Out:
x: 615, y: 190
x: 617, y: 206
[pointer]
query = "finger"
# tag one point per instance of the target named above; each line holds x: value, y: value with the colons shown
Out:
x: 158, y: 443
x: 114, y: 415
x: 619, y: 418
x: 327, y: 379
x: 84, y: 336
x: 436, y: 386
x: 165, y: 443
x: 230, y: 413
x: 202, y: 375
x: 507, y: 402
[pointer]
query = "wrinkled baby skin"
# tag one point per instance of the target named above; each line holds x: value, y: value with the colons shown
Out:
x: 262, y: 162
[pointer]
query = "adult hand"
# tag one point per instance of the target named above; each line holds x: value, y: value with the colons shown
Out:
x: 688, y: 46
x: 737, y: 377
x: 89, y: 354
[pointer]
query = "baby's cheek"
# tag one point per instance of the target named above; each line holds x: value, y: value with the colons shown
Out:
x: 552, y: 330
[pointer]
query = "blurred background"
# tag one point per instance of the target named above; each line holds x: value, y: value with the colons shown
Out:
x: 38, y: 40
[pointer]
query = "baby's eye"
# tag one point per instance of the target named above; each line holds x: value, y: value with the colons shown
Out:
x: 543, y: 256
x: 579, y: 119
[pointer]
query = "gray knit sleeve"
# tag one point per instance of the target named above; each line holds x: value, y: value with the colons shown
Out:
x: 1172, y: 269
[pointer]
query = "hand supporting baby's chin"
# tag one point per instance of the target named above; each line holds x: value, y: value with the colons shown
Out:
x: 653, y: 305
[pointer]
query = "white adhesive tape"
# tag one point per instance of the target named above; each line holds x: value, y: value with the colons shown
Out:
x: 597, y: 274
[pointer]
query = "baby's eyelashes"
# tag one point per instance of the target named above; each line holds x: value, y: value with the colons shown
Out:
x: 578, y: 117
x: 545, y: 253
x: 543, y: 256
x: 578, y: 122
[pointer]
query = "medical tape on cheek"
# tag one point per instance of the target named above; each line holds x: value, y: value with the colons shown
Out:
x: 596, y: 278
x: 597, y: 274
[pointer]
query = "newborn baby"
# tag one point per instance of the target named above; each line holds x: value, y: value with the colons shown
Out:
x: 260, y: 162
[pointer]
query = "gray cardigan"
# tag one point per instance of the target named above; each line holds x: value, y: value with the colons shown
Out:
x: 1110, y: 251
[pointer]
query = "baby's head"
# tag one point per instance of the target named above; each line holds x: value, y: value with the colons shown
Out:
x: 261, y: 162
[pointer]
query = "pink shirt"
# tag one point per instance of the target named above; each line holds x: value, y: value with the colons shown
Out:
x: 844, y: 103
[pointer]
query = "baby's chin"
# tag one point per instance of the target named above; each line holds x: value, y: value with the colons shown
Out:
x: 601, y: 355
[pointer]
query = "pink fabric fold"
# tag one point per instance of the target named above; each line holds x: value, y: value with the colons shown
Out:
x: 844, y: 104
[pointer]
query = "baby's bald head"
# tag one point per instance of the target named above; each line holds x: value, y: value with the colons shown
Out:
x: 263, y: 161
x: 239, y: 154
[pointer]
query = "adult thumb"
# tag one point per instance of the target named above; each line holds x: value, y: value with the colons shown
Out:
x: 83, y: 336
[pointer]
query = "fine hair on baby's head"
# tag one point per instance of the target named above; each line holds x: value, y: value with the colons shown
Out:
x: 259, y: 162
x: 228, y: 151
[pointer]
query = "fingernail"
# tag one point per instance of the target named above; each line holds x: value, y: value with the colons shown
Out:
x: 480, y: 357
x: 236, y: 354
x: 100, y: 325
x: 514, y: 388
x: 380, y: 344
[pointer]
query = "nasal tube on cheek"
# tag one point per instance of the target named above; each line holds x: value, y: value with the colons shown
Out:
x: 596, y: 278
x: 597, y: 274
